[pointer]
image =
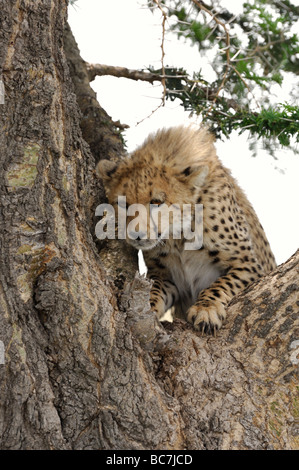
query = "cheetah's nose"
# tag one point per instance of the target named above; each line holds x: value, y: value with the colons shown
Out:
x: 141, y: 236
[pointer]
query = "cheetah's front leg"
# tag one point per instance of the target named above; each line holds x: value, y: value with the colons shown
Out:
x: 209, y: 311
x: 163, y: 295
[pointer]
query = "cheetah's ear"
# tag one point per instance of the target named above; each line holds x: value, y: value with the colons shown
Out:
x: 105, y: 169
x: 194, y: 175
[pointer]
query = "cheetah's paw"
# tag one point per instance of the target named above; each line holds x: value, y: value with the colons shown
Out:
x: 207, y: 319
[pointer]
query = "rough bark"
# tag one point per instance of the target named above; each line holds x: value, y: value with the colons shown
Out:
x: 88, y: 366
x: 105, y: 142
x: 240, y: 390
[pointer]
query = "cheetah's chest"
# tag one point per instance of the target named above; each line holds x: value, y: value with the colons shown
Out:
x: 192, y: 272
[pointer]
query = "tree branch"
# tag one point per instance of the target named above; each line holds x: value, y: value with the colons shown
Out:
x: 133, y: 74
x: 121, y: 72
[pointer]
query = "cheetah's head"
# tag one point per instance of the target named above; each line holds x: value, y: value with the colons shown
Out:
x: 163, y: 174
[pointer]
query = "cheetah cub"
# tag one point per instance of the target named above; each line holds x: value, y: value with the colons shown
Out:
x: 177, y: 167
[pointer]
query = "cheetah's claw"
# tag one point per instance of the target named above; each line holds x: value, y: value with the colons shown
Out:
x: 208, y: 320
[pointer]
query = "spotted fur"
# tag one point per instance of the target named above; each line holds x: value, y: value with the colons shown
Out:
x: 180, y: 166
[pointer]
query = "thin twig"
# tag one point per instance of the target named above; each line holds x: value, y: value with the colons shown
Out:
x: 242, y: 79
x: 227, y: 49
x: 227, y: 37
x: 164, y: 19
x: 163, y: 76
x: 154, y: 110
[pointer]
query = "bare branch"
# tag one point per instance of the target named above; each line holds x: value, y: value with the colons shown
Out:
x: 121, y: 72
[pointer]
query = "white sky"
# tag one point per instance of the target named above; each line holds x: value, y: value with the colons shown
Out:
x: 122, y: 33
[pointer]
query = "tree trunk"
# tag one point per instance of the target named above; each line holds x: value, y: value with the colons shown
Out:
x: 86, y: 365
